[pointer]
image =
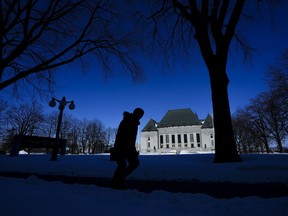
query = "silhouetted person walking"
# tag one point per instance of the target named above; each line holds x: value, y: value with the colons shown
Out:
x: 124, y: 147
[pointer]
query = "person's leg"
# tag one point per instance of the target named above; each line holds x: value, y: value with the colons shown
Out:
x: 133, y: 164
x: 119, y: 175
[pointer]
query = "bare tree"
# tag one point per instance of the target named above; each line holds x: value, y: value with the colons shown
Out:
x: 274, y: 119
x: 250, y: 134
x: 3, y: 122
x: 262, y: 122
x: 96, y: 137
x: 49, y: 125
x: 110, y: 136
x: 24, y: 119
x: 73, y: 137
x: 266, y: 117
x: 36, y: 37
x: 278, y: 82
x: 213, y: 25
x: 83, y: 136
x: 66, y: 126
x: 258, y: 123
x: 242, y: 131
x: 72, y: 144
x: 278, y: 76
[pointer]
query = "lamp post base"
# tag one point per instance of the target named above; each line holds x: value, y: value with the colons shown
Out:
x: 54, y: 154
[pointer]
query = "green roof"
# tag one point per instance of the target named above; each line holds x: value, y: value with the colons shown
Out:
x: 208, y: 123
x: 179, y: 117
x: 150, y: 126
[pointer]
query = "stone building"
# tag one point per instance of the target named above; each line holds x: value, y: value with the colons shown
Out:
x: 180, y: 130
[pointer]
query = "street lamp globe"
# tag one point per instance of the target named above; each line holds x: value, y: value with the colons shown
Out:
x: 52, y: 103
x: 71, y: 105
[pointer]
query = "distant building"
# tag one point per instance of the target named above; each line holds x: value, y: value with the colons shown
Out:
x: 179, y: 130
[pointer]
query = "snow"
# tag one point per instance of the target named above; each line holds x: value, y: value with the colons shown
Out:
x: 35, y: 196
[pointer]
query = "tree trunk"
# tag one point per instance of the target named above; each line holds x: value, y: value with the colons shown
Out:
x: 266, y: 144
x: 279, y: 143
x: 225, y: 145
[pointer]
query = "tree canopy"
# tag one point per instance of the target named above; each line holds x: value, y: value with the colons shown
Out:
x: 37, y: 37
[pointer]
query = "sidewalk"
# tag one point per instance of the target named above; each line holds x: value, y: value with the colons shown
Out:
x: 213, y: 189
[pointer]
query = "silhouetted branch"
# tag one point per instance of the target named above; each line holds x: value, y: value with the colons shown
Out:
x: 38, y: 36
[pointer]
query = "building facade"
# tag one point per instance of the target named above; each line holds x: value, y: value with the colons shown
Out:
x: 179, y: 131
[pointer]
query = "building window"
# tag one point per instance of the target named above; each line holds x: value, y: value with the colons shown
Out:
x: 211, y: 136
x: 192, y: 145
x: 167, y: 138
x: 161, y: 139
x: 167, y: 145
x: 148, y: 144
x: 173, y: 138
x: 179, y: 138
x: 191, y: 138
x: 148, y: 138
x: 198, y: 137
x: 185, y: 138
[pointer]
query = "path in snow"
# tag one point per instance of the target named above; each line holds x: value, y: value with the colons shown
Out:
x: 214, y: 189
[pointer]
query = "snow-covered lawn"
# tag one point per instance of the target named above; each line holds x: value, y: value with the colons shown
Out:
x: 33, y: 196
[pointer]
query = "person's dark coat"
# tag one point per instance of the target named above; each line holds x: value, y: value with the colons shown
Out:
x: 126, y: 135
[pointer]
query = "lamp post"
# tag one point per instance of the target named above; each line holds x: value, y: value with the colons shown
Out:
x: 62, y: 104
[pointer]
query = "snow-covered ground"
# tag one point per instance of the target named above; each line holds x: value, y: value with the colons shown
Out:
x: 33, y: 196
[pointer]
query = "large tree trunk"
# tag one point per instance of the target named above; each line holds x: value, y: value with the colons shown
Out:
x: 225, y: 145
x: 214, y: 31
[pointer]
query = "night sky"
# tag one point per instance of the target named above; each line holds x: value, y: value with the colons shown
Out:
x: 182, y: 85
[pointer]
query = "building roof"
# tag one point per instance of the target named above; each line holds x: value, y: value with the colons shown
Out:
x: 179, y: 117
x: 150, y: 126
x: 208, y: 123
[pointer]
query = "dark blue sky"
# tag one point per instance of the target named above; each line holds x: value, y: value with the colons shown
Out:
x: 182, y: 85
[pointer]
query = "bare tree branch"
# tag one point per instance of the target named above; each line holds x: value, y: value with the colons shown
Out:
x: 38, y: 36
